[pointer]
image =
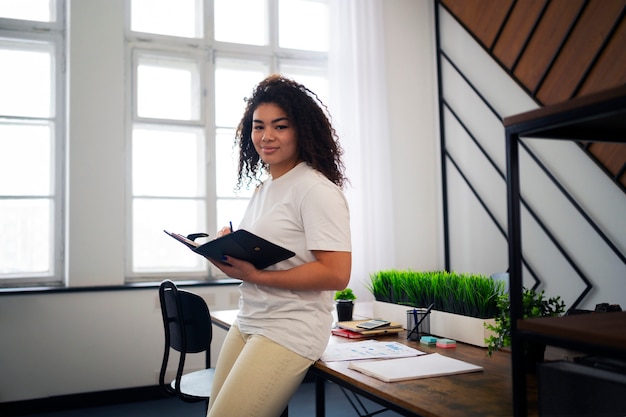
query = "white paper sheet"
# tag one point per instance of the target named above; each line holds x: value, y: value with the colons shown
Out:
x: 367, y: 349
x: 425, y: 366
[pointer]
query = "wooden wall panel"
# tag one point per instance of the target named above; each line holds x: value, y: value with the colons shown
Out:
x: 610, y: 70
x: 579, y: 52
x: 612, y: 154
x: 546, y: 42
x: 517, y: 30
x: 578, y: 47
x: 483, y: 18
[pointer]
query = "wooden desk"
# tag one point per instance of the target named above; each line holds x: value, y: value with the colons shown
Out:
x: 224, y: 318
x: 487, y: 393
x: 601, y: 333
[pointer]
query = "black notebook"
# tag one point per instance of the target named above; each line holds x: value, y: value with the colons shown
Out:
x: 239, y: 244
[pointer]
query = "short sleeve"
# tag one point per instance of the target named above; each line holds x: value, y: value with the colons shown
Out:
x: 326, y: 218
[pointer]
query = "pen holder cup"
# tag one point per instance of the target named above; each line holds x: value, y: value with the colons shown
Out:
x: 415, y: 316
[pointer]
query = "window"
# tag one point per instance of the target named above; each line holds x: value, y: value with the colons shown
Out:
x: 31, y: 141
x: 192, y: 63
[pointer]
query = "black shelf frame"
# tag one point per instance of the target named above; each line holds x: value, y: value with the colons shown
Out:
x: 596, y: 117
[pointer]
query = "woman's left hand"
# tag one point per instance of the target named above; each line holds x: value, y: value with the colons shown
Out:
x: 236, y: 268
x: 330, y: 271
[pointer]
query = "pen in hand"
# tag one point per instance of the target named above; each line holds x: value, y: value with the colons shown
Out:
x: 225, y: 230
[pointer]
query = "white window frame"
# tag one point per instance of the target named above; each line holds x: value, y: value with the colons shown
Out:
x: 52, y: 35
x: 182, y: 50
x: 207, y: 49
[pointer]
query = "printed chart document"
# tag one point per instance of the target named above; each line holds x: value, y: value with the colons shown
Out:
x: 239, y: 244
x: 423, y: 366
x: 367, y: 349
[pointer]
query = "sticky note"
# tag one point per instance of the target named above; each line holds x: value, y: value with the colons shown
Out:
x: 446, y: 343
x: 428, y: 340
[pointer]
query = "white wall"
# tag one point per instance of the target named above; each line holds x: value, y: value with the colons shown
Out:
x: 78, y: 342
x: 414, y: 141
x: 96, y: 143
x: 68, y: 343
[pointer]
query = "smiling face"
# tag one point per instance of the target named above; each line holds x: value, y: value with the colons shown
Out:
x: 274, y: 138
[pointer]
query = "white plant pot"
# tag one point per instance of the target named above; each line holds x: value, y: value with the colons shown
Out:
x: 391, y: 312
x: 452, y: 326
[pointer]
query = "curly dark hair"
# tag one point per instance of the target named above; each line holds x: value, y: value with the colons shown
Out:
x: 318, y: 144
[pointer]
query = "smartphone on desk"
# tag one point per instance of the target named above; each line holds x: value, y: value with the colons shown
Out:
x: 373, y: 324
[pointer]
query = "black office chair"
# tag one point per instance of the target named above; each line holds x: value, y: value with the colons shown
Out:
x: 187, y: 325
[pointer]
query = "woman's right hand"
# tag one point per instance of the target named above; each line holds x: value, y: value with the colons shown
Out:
x: 223, y: 231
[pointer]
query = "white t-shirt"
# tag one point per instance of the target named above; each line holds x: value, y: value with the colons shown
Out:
x: 302, y: 211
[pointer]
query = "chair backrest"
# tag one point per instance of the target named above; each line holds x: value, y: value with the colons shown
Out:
x: 188, y: 328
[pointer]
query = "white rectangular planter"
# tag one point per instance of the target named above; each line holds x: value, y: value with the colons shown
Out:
x: 461, y: 328
x: 391, y: 312
x: 452, y: 326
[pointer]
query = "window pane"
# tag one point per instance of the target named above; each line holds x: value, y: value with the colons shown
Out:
x: 25, y: 223
x: 167, y: 17
x: 234, y: 81
x: 226, y: 165
x: 168, y: 162
x: 37, y: 10
x: 168, y: 88
x: 169, y: 156
x: 25, y: 79
x: 153, y: 250
x: 303, y: 24
x: 25, y: 160
x: 230, y: 211
x: 241, y: 21
x: 315, y: 79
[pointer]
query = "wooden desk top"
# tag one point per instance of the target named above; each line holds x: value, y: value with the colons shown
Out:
x: 607, y: 329
x: 487, y: 393
x: 224, y: 318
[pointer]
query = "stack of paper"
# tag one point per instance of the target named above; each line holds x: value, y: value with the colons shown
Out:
x: 353, y: 326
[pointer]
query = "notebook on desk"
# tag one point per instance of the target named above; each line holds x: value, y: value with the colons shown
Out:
x: 422, y: 366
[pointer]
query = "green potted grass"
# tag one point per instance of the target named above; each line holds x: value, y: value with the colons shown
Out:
x: 463, y: 302
x: 345, y: 304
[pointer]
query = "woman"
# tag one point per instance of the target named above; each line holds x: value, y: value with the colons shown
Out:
x: 285, y: 315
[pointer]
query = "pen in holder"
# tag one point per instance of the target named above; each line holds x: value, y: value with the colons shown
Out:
x: 418, y: 322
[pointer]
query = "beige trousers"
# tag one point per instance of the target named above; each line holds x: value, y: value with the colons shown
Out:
x: 254, y: 377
